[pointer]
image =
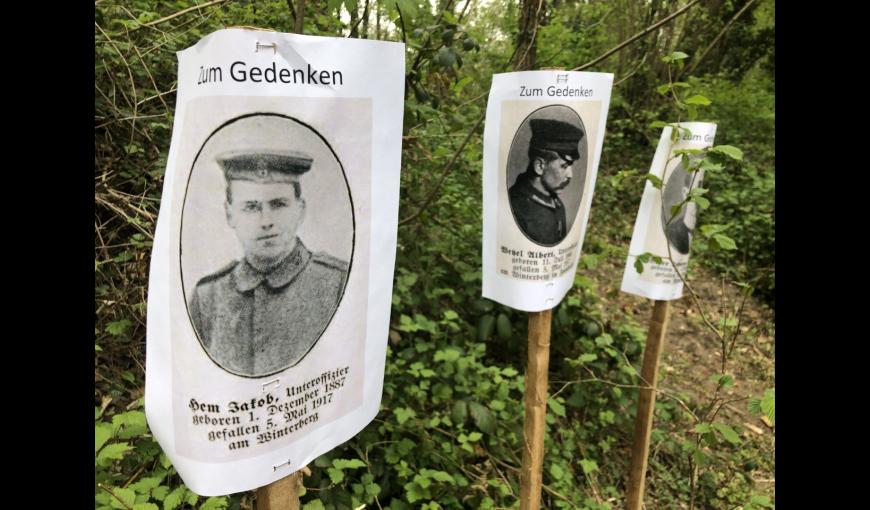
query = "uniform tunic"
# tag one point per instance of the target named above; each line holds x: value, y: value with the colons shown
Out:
x: 541, y: 217
x: 256, y: 324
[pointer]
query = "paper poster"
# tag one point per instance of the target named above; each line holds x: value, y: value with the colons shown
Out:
x: 541, y: 148
x: 658, y: 230
x: 272, y: 264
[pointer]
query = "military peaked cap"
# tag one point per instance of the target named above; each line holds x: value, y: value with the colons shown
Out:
x: 556, y: 136
x: 264, y: 166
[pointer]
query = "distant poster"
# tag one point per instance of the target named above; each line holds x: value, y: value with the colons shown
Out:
x: 660, y: 231
x: 542, y: 144
x: 272, y: 265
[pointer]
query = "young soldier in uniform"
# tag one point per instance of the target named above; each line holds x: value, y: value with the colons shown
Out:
x: 534, y: 197
x: 264, y: 313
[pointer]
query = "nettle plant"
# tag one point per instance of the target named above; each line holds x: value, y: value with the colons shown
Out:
x: 710, y: 432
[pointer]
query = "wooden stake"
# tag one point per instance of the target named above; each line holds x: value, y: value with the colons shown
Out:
x: 646, y: 403
x: 282, y: 494
x: 536, y: 409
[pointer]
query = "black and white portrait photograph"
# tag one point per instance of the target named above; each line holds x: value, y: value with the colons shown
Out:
x: 678, y: 226
x: 267, y: 236
x: 546, y: 172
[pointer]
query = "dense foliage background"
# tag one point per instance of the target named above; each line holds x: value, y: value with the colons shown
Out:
x: 450, y: 431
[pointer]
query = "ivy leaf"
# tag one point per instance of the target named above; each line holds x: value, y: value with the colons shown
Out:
x: 727, y: 432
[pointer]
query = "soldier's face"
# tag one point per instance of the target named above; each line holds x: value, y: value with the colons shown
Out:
x: 266, y: 217
x: 556, y: 174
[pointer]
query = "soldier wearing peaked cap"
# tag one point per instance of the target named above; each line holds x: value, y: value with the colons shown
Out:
x: 534, y: 197
x: 262, y: 314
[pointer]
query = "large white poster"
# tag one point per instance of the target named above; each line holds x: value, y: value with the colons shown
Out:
x: 542, y: 144
x: 658, y: 229
x: 272, y: 265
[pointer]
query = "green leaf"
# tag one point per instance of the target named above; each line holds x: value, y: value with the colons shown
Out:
x: 588, y: 466
x: 403, y: 414
x: 709, y: 230
x: 442, y: 476
x: 663, y: 89
x: 702, y: 202
x: 482, y: 417
x: 145, y: 485
x: 658, y: 124
x: 408, y: 9
x: 556, y: 471
x: 768, y: 405
x: 460, y: 412
x: 703, y: 428
x: 118, y: 327
x: 557, y: 407
x: 678, y: 55
x: 727, y: 432
x: 126, y: 495
x: 697, y: 99
x: 586, y: 358
x: 314, y: 504
x: 725, y: 242
x: 151, y: 506
x: 348, y: 463
x: 336, y: 475
x: 102, y: 433
x: 112, y: 452
x: 656, y: 182
x: 723, y: 381
x: 503, y: 326
x: 485, y: 327
x: 638, y: 265
x: 728, y: 150
x: 159, y: 493
x: 174, y: 498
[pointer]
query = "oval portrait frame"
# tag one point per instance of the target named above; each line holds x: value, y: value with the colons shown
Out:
x: 338, y: 165
x: 677, y: 233
x: 517, y: 162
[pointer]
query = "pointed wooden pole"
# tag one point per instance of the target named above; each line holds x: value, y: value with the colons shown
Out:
x: 282, y: 494
x: 536, y: 410
x: 646, y: 404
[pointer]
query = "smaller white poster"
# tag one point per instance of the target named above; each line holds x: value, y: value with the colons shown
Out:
x: 658, y: 230
x: 272, y: 264
x: 541, y: 148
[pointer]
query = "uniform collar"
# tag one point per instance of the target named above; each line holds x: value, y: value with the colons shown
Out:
x: 247, y: 278
x: 526, y: 187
